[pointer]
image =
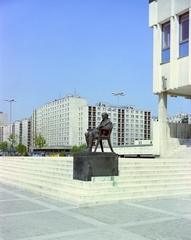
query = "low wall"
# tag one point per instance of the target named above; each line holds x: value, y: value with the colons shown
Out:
x: 178, y: 130
x: 176, y: 134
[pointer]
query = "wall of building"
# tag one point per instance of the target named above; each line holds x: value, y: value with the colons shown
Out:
x: 176, y: 71
x: 3, y: 118
x: 4, y: 133
x: 58, y: 121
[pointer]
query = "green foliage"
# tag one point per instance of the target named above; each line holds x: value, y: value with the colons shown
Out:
x: 22, y: 149
x: 13, y: 140
x: 4, y: 145
x: 40, y: 141
x: 80, y: 148
x: 62, y: 154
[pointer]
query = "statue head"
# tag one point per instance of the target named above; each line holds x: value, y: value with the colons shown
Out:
x: 104, y: 115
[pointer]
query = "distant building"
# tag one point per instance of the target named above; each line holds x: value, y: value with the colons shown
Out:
x: 4, y: 133
x: 181, y: 118
x: 22, y: 129
x: 64, y: 122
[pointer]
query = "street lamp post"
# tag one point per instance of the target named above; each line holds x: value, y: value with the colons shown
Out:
x: 118, y: 94
x: 10, y: 101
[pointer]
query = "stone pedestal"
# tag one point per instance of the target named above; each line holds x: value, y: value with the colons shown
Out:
x: 94, y: 164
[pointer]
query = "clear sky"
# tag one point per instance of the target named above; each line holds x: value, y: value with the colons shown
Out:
x: 52, y: 48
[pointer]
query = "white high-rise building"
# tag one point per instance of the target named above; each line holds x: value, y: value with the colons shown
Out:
x: 3, y: 118
x: 22, y: 130
x: 26, y: 132
x: 17, y: 130
x: 58, y: 121
x: 64, y: 122
x: 4, y: 133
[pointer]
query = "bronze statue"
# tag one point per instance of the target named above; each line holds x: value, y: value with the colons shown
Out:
x: 105, y: 127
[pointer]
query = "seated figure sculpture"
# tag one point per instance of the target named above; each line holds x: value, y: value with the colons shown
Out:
x: 105, y: 127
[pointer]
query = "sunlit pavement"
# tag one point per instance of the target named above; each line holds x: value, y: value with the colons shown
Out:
x: 26, y: 216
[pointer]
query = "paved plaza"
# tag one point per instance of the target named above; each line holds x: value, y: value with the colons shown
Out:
x: 26, y: 216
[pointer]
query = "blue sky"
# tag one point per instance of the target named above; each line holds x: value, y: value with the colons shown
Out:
x: 49, y: 49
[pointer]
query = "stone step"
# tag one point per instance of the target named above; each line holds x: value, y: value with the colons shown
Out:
x: 153, y: 176
x: 37, y: 161
x: 137, y: 180
x: 154, y: 172
x: 63, y: 174
x: 161, y: 162
x: 122, y: 163
x: 30, y: 167
x: 100, y: 196
x: 117, y: 181
x: 125, y: 199
x: 122, y: 166
x: 146, y: 182
x: 110, y: 186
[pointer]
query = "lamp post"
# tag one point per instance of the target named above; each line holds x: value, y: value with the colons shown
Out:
x: 118, y: 94
x: 10, y: 101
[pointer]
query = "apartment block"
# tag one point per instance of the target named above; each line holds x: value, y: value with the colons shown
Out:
x: 3, y: 118
x: 64, y: 122
x: 58, y: 121
x: 4, y: 132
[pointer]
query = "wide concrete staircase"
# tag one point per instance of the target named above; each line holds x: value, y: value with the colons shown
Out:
x: 183, y: 151
x: 138, y: 179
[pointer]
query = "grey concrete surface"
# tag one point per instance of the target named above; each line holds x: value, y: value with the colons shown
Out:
x: 27, y: 216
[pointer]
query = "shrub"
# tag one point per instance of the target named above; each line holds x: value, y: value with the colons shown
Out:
x: 62, y: 154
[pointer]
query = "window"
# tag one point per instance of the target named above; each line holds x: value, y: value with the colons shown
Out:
x: 184, y: 35
x: 166, y: 42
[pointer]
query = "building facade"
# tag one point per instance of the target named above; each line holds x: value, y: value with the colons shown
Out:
x: 22, y: 130
x: 58, y: 121
x: 170, y: 21
x: 3, y: 118
x: 4, y: 132
x: 64, y: 122
x: 181, y: 117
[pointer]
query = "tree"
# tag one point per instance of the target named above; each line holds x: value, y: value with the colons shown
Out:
x: 13, y: 140
x: 80, y: 148
x: 22, y: 149
x: 40, y: 141
x: 4, y: 146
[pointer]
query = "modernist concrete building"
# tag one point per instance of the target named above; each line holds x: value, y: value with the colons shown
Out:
x: 170, y: 20
x: 4, y: 132
x: 63, y: 122
x: 181, y: 117
x: 22, y: 129
x: 3, y: 127
x: 3, y: 118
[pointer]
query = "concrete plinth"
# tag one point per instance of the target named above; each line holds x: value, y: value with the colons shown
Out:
x: 94, y: 164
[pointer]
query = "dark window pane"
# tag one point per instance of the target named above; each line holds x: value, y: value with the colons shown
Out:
x: 184, y: 35
x: 185, y: 32
x: 166, y: 55
x: 166, y: 36
x: 183, y: 49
